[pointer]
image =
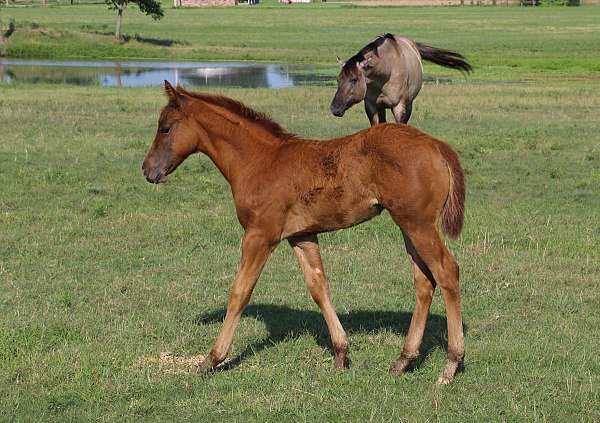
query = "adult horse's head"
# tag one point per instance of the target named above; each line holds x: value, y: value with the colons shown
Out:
x: 351, y: 86
x: 177, y: 136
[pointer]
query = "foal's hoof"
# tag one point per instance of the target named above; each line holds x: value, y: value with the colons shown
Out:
x: 205, y: 366
x: 447, y: 375
x: 399, y: 367
x: 341, y: 361
x: 444, y: 380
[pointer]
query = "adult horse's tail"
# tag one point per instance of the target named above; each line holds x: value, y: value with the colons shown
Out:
x: 454, y: 209
x: 446, y: 58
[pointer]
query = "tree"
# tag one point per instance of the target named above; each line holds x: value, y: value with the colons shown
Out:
x: 5, y: 35
x: 149, y: 7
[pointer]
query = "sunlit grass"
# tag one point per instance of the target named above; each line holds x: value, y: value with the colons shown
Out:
x: 99, y: 268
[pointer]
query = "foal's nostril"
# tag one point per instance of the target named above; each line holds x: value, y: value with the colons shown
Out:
x: 153, y: 176
x: 150, y: 175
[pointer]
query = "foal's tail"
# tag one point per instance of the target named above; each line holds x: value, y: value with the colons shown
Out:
x: 454, y: 209
x: 446, y: 58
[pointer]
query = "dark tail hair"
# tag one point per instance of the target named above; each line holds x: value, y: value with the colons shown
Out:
x: 453, y: 212
x: 446, y: 58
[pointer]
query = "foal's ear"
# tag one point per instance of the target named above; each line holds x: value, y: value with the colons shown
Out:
x: 172, y: 94
x: 339, y: 61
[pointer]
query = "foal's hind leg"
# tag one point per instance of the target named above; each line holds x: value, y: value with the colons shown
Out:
x: 309, y: 256
x: 424, y: 289
x: 437, y: 260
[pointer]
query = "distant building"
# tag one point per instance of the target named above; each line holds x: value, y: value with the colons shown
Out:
x: 201, y: 3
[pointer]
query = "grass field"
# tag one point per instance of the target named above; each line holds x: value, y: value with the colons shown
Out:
x: 100, y: 271
x: 502, y: 42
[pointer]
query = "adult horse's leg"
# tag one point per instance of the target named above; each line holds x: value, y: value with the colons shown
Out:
x: 256, y: 248
x: 424, y: 289
x: 437, y: 260
x: 402, y: 111
x: 375, y: 113
x: 309, y: 256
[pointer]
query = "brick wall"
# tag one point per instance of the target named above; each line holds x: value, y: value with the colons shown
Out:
x: 200, y: 3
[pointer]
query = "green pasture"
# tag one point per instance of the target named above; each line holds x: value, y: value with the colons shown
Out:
x: 100, y: 271
x: 500, y: 41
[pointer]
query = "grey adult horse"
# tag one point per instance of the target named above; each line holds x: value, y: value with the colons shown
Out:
x: 388, y: 74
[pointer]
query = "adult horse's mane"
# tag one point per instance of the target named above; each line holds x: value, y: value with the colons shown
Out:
x: 372, y: 46
x: 240, y: 109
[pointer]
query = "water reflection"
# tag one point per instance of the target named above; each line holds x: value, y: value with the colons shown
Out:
x: 141, y: 74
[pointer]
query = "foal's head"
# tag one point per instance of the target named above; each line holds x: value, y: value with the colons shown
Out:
x: 176, y: 138
x: 352, y: 86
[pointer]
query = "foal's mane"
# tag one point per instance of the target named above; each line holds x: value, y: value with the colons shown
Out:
x: 360, y: 56
x: 240, y: 109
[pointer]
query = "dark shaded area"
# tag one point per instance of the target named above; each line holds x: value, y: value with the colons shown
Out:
x: 164, y: 42
x: 155, y: 41
x: 283, y: 323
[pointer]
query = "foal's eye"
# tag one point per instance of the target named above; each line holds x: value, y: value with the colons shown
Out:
x: 164, y: 130
x: 354, y: 80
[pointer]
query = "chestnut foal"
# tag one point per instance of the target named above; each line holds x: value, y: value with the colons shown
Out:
x: 289, y: 188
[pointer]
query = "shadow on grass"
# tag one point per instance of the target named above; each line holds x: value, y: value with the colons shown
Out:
x: 125, y: 38
x: 283, y: 323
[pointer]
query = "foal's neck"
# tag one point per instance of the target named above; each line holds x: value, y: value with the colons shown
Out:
x: 235, y: 144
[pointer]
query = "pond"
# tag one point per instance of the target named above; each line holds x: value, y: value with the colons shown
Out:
x: 188, y: 74
x: 143, y: 74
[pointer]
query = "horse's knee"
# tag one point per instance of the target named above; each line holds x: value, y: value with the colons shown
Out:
x: 317, y: 286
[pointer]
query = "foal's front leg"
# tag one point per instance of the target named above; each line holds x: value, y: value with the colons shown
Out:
x: 309, y: 256
x: 256, y: 248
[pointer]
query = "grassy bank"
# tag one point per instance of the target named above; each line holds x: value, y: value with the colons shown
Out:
x: 100, y: 271
x: 502, y: 43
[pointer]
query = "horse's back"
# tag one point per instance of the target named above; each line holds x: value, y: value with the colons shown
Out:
x: 406, y: 67
x: 338, y: 183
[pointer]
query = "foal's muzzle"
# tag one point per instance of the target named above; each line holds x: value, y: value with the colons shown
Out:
x: 153, y: 176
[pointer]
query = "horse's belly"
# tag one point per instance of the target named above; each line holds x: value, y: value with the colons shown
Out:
x: 329, y: 216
